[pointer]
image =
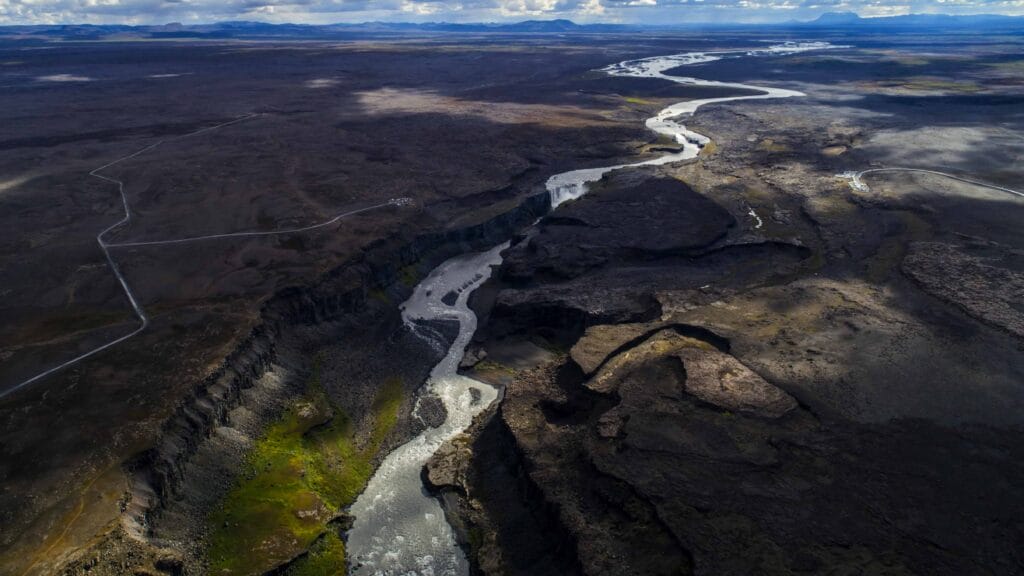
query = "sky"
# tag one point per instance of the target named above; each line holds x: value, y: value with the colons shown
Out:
x: 582, y: 11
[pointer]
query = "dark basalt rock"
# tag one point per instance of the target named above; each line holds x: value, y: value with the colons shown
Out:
x: 627, y: 216
x: 656, y: 446
x: 601, y: 259
x: 986, y: 280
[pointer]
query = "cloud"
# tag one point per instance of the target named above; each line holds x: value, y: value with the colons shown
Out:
x: 328, y: 11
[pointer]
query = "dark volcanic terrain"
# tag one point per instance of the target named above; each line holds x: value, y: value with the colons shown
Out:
x: 737, y: 364
x: 335, y: 127
x: 744, y: 366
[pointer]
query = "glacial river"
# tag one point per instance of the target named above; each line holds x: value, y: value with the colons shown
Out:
x: 399, y: 529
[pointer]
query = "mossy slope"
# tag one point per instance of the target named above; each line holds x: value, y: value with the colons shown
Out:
x: 301, y: 474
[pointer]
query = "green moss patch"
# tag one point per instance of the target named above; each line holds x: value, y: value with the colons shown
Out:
x: 491, y: 366
x: 638, y: 101
x: 326, y: 558
x: 301, y: 473
x: 409, y: 275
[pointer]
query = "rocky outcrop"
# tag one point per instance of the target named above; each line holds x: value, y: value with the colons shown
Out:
x: 672, y: 456
x: 120, y: 553
x: 603, y: 341
x: 506, y: 526
x: 722, y: 380
x: 984, y: 279
x: 603, y: 258
x: 157, y: 473
x: 610, y: 225
x: 712, y: 376
x: 712, y: 413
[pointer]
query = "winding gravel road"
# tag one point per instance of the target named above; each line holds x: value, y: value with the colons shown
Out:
x: 857, y: 182
x: 105, y: 246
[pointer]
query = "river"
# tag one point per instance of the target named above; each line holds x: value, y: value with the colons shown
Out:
x: 399, y: 529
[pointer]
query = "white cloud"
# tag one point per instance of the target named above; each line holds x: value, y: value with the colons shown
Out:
x: 879, y: 9
x: 327, y: 11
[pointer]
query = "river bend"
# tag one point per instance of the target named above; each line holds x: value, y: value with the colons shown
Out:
x: 399, y: 529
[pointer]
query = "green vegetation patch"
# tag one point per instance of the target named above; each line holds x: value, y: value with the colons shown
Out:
x: 409, y: 275
x: 492, y: 366
x: 301, y: 473
x: 638, y: 101
x: 326, y: 558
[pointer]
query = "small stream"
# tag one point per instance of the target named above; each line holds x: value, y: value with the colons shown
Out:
x: 399, y: 529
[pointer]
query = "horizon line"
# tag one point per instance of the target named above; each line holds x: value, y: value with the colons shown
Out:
x: 850, y: 14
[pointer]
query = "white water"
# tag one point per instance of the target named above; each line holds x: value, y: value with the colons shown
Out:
x: 571, y: 185
x: 399, y: 529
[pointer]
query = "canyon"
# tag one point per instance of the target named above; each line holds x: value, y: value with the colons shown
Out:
x: 720, y: 359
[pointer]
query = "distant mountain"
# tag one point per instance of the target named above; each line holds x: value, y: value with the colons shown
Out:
x: 831, y: 21
x: 545, y: 26
x: 528, y: 26
x: 255, y: 30
x: 836, y: 18
x: 914, y: 21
